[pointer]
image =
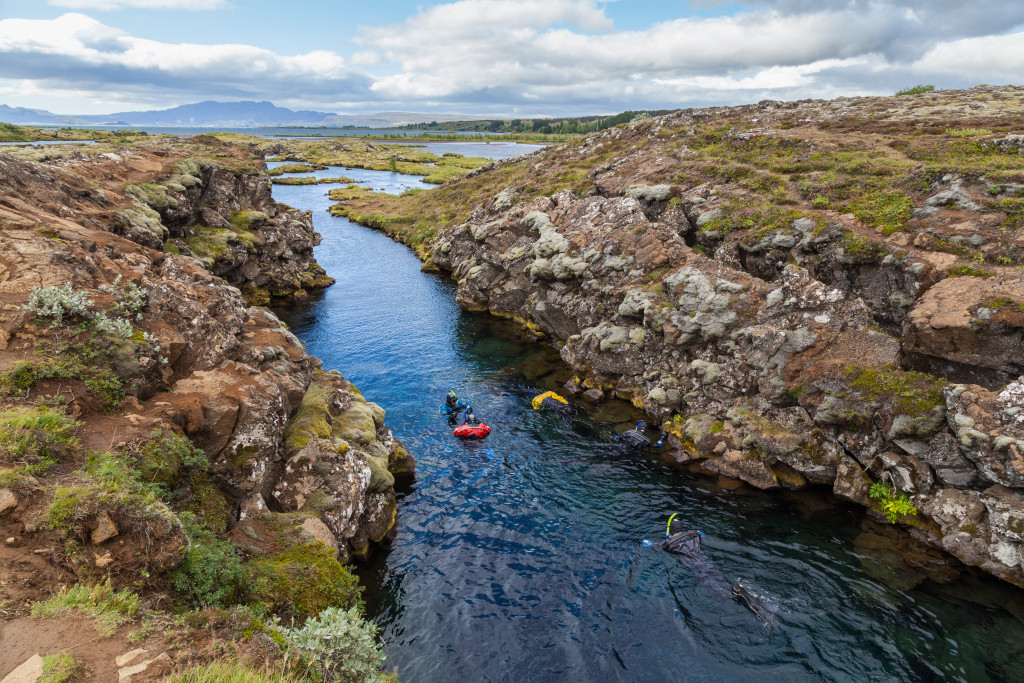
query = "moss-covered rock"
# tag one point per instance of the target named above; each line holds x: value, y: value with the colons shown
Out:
x: 357, y: 424
x: 302, y: 581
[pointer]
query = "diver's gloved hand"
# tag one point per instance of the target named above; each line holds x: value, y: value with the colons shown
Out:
x: 661, y: 439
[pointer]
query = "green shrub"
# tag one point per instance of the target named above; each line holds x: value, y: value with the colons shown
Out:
x: 166, y: 457
x: 916, y: 90
x: 18, y: 379
x: 131, y: 298
x: 340, y: 646
x: 108, y: 607
x: 53, y: 304
x: 212, y: 573
x: 303, y: 581
x: 894, y: 504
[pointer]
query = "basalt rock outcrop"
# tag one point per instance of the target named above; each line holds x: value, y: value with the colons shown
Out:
x: 784, y: 332
x: 206, y: 200
x: 188, y: 357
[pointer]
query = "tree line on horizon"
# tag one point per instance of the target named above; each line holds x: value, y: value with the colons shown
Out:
x: 553, y: 126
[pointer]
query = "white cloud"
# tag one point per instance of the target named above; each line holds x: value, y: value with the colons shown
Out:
x: 551, y: 56
x: 993, y: 59
x: 77, y: 52
x: 140, y: 4
x: 568, y: 52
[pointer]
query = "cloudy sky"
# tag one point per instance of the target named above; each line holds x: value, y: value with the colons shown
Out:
x: 505, y: 57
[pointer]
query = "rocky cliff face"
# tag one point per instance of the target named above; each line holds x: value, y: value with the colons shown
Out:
x: 158, y: 348
x: 212, y: 202
x: 816, y: 293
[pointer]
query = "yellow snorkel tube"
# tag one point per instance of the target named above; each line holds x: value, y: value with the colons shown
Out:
x: 668, y: 527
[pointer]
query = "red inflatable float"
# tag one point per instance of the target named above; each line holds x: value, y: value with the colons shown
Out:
x: 472, y: 431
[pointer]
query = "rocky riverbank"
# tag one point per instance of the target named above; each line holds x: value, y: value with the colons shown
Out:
x: 804, y: 294
x: 159, y: 432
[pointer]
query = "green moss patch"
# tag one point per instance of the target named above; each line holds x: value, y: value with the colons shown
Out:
x: 294, y: 168
x: 213, y: 245
x: 312, y: 420
x: 302, y: 581
x: 968, y: 271
x: 911, y: 393
x: 310, y: 180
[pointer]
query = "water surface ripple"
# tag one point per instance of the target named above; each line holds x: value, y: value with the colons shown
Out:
x: 520, y: 557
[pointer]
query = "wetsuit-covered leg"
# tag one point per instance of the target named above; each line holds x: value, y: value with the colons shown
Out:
x: 686, y: 545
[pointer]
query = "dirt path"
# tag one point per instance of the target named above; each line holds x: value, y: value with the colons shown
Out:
x: 101, y: 659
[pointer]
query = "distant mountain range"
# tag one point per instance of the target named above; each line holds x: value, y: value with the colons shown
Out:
x: 224, y: 115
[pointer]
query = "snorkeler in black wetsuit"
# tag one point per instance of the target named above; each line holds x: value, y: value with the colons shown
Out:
x: 636, y: 438
x: 685, y: 544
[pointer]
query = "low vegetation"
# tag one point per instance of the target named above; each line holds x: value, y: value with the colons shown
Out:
x: 894, y: 504
x: 212, y: 573
x: 109, y: 608
x: 304, y: 156
x: 232, y: 672
x: 32, y: 440
x: 312, y: 180
x: 13, y: 133
x: 911, y: 393
x: 338, y: 645
x: 916, y: 90
x: 99, y: 347
x: 58, y: 668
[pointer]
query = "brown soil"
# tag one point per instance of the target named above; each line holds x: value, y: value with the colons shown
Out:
x: 25, y: 575
x: 24, y: 637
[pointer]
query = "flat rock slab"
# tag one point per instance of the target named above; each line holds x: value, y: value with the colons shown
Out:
x: 8, y: 501
x: 30, y: 671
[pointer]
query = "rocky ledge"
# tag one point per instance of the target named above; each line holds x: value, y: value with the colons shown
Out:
x: 808, y: 293
x: 149, y: 412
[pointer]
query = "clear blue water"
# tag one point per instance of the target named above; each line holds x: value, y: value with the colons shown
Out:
x: 519, y: 558
x: 40, y: 143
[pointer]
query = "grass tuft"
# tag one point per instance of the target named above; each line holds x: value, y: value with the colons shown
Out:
x: 233, y: 672
x: 58, y: 668
x: 109, y: 608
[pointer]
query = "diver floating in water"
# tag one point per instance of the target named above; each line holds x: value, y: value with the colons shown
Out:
x: 452, y: 406
x: 472, y: 428
x: 686, y: 545
x: 552, y: 402
x: 636, y: 438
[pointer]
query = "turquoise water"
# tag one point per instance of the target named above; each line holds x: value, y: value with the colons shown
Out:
x: 519, y: 558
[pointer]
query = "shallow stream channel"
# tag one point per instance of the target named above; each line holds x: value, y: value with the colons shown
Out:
x: 521, y: 557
